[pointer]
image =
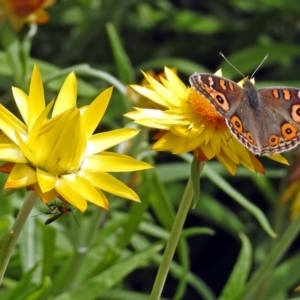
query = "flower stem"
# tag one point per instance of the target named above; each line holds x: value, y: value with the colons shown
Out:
x: 9, y: 240
x: 164, y: 267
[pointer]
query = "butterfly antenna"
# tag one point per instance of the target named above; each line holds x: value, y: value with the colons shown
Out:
x: 233, y: 65
x: 267, y: 54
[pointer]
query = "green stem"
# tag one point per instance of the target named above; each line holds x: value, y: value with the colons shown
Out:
x: 9, y: 240
x: 273, y: 257
x: 164, y: 267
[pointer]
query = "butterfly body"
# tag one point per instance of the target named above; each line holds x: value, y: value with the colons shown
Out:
x: 266, y: 121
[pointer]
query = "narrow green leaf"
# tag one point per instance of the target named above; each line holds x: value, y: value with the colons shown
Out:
x: 125, y: 69
x: 279, y: 248
x: 160, y: 202
x: 238, y: 197
x: 5, y: 244
x: 23, y: 287
x: 171, y: 172
x: 236, y: 282
x: 95, y: 286
x: 49, y: 234
x: 215, y: 211
x: 136, y: 213
x: 12, y: 48
x: 284, y: 277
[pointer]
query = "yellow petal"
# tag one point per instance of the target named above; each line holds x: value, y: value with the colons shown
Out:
x: 113, y: 163
x: 290, y: 191
x: 105, y: 140
x: 9, y: 124
x: 227, y: 162
x: 175, y: 84
x: 71, y: 195
x: 67, y: 96
x: 109, y: 183
x: 36, y: 98
x: 279, y: 158
x: 219, y: 73
x: 150, y: 94
x: 20, y: 176
x: 45, y: 180
x: 35, y: 130
x: 25, y: 150
x: 12, y: 153
x: 95, y: 111
x: 45, y: 197
x: 22, y: 102
x: 61, y: 150
x: 86, y: 190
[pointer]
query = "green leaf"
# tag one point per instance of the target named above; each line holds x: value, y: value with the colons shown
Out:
x: 173, y: 171
x: 49, y: 235
x: 93, y: 288
x: 12, y: 48
x: 194, y: 22
x: 160, y: 202
x: 284, y: 277
x: 125, y: 69
x: 215, y: 211
x: 137, y: 212
x: 279, y: 248
x: 21, y: 289
x: 236, y: 282
x: 248, y: 59
x: 6, y: 222
x: 238, y: 197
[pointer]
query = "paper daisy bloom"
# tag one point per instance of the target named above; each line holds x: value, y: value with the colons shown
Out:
x: 20, y: 12
x: 188, y: 122
x: 59, y: 156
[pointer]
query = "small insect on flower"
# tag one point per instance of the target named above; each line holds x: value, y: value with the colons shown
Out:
x: 57, y: 211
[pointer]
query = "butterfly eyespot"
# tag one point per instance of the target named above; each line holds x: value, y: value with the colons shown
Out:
x: 273, y: 140
x: 295, y: 113
x: 220, y: 100
x: 288, y: 131
x: 237, y: 124
x: 249, y: 137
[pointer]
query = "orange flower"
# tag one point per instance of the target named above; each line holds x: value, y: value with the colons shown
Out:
x: 20, y: 12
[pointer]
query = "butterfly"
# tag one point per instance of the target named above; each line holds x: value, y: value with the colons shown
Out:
x: 266, y: 121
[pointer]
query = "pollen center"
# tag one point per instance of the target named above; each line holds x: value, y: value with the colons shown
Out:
x: 204, y: 109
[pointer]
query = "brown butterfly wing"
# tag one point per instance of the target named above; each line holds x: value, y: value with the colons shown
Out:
x: 280, y: 119
x: 224, y: 95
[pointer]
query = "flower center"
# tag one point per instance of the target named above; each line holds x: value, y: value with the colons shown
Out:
x: 203, y: 108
